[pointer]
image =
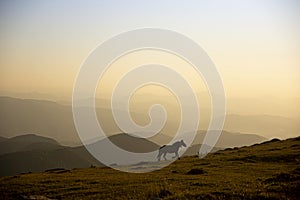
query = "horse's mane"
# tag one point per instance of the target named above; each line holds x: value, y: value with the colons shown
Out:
x: 175, y: 143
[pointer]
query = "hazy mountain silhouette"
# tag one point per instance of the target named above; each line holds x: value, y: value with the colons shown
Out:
x: 133, y: 144
x: 47, y: 118
x: 160, y: 139
x: 2, y: 139
x: 32, y: 153
x: 50, y: 119
x: 19, y: 116
x: 283, y: 127
x: 227, y: 139
x: 194, y: 149
x: 27, y: 143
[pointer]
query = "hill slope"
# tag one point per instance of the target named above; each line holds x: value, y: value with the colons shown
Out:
x: 265, y: 171
x: 227, y: 139
x: 230, y: 139
x: 133, y: 144
x: 32, y: 153
x: 124, y: 141
x: 26, y: 143
x: 2, y: 139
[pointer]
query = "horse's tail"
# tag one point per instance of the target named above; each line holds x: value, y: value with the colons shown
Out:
x: 160, y: 151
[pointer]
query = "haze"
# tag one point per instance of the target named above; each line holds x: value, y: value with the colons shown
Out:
x: 254, y: 45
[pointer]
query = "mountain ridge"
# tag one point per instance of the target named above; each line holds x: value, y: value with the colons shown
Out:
x: 24, y: 153
x: 269, y: 170
x: 54, y: 120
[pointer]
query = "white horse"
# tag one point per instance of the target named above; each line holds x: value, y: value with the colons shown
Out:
x: 170, y: 149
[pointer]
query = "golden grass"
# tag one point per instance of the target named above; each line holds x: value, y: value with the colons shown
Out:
x: 266, y: 171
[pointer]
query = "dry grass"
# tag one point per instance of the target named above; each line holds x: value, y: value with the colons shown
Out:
x: 266, y: 171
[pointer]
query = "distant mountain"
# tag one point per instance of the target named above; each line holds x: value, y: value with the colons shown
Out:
x: 125, y: 142
x: 30, y: 139
x: 226, y: 140
x: 50, y: 119
x: 160, y: 139
x: 27, y: 143
x: 129, y: 143
x: 2, y: 139
x: 47, y: 118
x: 229, y: 139
x: 270, y: 105
x: 133, y: 144
x: 32, y: 153
x: 194, y: 149
x: 282, y: 127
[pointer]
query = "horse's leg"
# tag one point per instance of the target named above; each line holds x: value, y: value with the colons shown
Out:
x: 176, y: 154
x: 159, y: 155
x: 165, y: 155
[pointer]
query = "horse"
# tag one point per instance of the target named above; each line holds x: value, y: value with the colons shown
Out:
x: 170, y: 149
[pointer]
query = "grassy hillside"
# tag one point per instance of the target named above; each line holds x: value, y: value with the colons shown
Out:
x: 33, y: 153
x: 266, y: 171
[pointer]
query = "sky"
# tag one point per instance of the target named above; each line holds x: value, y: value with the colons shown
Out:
x: 255, y: 45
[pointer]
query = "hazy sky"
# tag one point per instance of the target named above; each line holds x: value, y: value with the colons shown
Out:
x: 254, y: 44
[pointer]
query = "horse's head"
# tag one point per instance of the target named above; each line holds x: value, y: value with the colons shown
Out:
x: 182, y: 143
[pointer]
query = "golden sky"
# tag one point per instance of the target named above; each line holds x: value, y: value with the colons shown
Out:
x: 254, y: 44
